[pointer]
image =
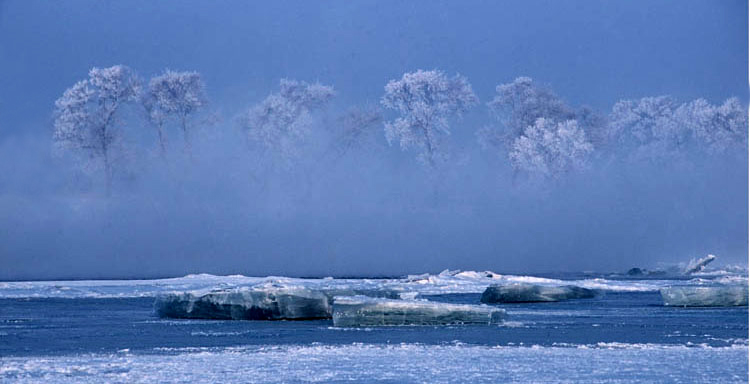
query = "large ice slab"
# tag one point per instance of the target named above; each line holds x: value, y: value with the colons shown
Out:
x: 710, y: 296
x: 362, y: 311
x: 530, y: 293
x: 245, y: 303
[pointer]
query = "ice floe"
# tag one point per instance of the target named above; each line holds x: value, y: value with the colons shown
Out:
x: 529, y: 293
x: 245, y: 304
x: 699, y: 264
x: 362, y: 311
x: 708, y: 296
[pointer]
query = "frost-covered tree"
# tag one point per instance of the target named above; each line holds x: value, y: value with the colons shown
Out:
x: 517, y: 105
x: 425, y: 100
x: 646, y: 125
x: 541, y: 134
x: 282, y: 121
x: 718, y: 127
x: 594, y: 125
x: 176, y: 95
x: 87, y: 115
x: 355, y: 128
x: 549, y: 149
x: 156, y: 117
x: 659, y: 128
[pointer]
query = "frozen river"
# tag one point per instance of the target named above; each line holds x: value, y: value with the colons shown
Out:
x: 108, y: 332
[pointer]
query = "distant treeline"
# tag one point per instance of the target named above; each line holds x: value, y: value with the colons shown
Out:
x: 540, y: 135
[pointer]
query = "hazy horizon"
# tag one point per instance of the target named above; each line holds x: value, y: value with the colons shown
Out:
x: 372, y: 209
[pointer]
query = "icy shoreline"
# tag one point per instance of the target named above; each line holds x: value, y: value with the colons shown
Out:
x: 446, y: 282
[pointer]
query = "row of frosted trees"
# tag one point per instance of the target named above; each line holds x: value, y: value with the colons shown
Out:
x: 534, y: 129
x: 88, y: 116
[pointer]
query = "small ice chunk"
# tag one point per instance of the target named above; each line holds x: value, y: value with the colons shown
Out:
x: 362, y: 311
x: 710, y: 296
x: 530, y: 293
x: 245, y: 303
x: 698, y: 265
x: 423, y: 278
x: 635, y: 271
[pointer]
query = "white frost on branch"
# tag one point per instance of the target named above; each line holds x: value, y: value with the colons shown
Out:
x: 425, y: 100
x: 73, y: 127
x: 550, y: 149
x: 87, y: 116
x: 520, y: 103
x: 542, y: 136
x: 176, y: 95
x: 657, y: 127
x: 718, y: 127
x: 282, y: 121
x: 646, y: 126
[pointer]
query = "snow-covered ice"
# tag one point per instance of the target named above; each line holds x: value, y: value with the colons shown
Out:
x: 708, y: 296
x: 362, y: 311
x: 270, y: 303
x: 398, y: 363
x: 528, y: 293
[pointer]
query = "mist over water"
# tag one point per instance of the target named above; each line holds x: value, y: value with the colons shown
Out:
x: 372, y: 209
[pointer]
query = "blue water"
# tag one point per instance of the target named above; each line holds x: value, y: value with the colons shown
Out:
x: 74, y: 326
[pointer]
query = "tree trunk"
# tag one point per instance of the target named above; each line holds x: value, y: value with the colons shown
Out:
x: 105, y: 150
x: 430, y: 150
x: 107, y: 173
x: 162, y: 144
x: 186, y: 134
